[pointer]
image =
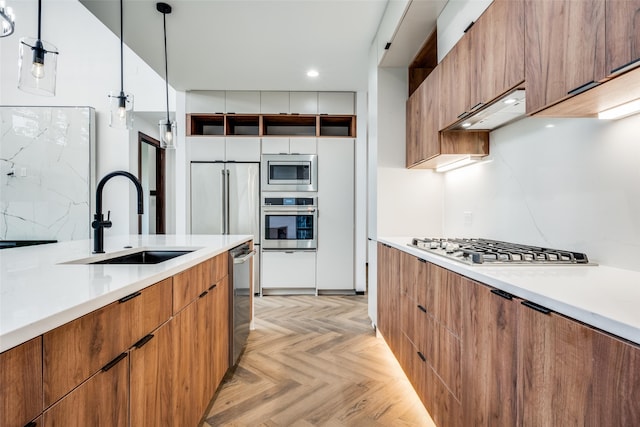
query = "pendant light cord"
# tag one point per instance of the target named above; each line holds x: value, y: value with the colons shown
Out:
x: 121, y: 50
x: 39, y: 16
x: 166, y: 66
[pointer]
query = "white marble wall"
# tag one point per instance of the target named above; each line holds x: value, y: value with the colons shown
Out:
x: 575, y: 185
x: 45, y: 172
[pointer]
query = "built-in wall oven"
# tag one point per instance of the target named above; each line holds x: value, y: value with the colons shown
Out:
x: 289, y: 222
x: 289, y: 172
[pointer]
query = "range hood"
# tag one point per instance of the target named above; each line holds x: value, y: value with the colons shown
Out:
x: 504, y: 110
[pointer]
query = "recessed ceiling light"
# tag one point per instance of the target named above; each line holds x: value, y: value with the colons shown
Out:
x: 312, y: 73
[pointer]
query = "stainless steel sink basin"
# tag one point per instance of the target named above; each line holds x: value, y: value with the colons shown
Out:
x: 144, y: 257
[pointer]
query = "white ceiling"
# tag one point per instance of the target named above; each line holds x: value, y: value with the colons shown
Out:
x: 252, y: 44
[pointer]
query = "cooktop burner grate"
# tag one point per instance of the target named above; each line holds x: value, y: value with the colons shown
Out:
x: 486, y: 251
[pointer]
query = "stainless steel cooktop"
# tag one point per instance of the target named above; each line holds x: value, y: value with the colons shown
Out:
x: 491, y: 252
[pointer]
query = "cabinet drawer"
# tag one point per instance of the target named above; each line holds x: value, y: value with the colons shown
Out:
x: 295, y: 269
x: 102, y: 401
x: 190, y: 283
x: 21, y: 384
x: 78, y: 349
x: 219, y: 268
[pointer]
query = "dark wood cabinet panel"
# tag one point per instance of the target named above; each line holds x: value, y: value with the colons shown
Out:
x: 488, y: 357
x: 565, y: 49
x: 388, y: 293
x: 497, y: 46
x: 101, y: 401
x: 21, y: 383
x: 455, y: 88
x: 572, y: 374
x: 220, y: 332
x: 151, y: 380
x: 423, y: 136
x: 190, y: 283
x: 622, y: 34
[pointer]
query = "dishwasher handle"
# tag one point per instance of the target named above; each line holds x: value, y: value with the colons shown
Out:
x: 244, y: 258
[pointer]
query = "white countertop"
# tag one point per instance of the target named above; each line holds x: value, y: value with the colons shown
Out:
x: 604, y: 297
x: 38, y: 293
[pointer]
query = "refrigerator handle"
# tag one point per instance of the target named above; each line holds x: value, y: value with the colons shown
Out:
x: 224, y: 202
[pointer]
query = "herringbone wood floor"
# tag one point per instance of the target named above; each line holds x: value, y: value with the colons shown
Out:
x: 315, y: 361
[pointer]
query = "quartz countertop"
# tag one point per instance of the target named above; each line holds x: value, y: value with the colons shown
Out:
x: 604, y: 297
x: 39, y: 292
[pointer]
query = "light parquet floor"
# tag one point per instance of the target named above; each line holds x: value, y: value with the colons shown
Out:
x: 315, y: 361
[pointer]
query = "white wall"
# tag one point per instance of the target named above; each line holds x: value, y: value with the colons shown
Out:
x: 88, y: 69
x: 573, y: 186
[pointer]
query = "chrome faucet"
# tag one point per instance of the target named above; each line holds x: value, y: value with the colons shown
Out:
x: 99, y: 224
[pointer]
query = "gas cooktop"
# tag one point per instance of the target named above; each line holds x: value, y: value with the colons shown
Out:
x: 491, y: 252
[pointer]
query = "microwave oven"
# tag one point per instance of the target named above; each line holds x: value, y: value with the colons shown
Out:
x: 289, y: 172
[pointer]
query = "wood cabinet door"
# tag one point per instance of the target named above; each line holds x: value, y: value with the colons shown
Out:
x: 21, y: 383
x: 423, y: 116
x: 413, y: 116
x: 101, y: 401
x: 190, y: 283
x: 78, y: 349
x: 151, y: 376
x: 220, y: 345
x: 489, y: 359
x: 572, y: 374
x: 622, y: 34
x: 565, y: 49
x: 497, y: 46
x: 389, y: 296
x: 455, y: 88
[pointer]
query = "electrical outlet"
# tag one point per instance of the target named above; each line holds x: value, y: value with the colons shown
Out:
x: 23, y: 172
x: 468, y: 217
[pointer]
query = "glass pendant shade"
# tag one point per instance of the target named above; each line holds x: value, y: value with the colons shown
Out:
x: 7, y: 21
x: 37, y: 66
x: 120, y: 110
x: 168, y: 134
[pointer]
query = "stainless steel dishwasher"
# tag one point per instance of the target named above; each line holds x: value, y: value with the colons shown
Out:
x: 241, y: 263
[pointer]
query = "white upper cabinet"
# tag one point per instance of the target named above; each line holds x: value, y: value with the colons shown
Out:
x: 240, y: 102
x: 303, y: 102
x: 303, y: 146
x: 336, y: 103
x: 297, y: 145
x: 206, y: 149
x: 205, y: 101
x: 275, y: 145
x: 243, y: 149
x: 274, y: 102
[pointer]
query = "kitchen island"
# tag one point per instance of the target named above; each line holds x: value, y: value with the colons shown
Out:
x: 141, y: 344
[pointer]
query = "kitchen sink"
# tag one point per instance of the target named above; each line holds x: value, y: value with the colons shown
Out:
x: 143, y: 257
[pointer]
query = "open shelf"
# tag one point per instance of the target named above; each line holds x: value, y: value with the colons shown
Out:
x: 243, y: 125
x: 286, y: 125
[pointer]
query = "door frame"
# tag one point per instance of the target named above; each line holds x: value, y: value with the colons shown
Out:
x: 160, y: 192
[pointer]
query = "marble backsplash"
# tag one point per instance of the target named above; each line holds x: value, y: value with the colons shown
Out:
x: 46, y: 172
x: 560, y: 183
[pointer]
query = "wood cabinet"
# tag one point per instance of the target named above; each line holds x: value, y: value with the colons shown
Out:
x: 423, y: 136
x: 21, y: 383
x: 150, y: 380
x: 220, y: 344
x: 565, y: 49
x: 497, y: 51
x: 101, y: 401
x: 388, y: 289
x: 188, y: 284
x: 336, y: 245
x: 454, y: 82
x: 489, y: 364
x: 572, y: 374
x: 75, y: 351
x: 622, y: 35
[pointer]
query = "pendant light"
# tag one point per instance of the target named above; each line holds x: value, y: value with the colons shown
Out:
x: 7, y: 21
x: 166, y: 126
x: 37, y: 63
x: 121, y: 105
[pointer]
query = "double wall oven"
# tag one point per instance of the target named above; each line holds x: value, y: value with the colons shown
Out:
x: 289, y: 222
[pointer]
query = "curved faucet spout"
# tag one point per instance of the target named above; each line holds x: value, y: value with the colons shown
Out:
x: 99, y: 223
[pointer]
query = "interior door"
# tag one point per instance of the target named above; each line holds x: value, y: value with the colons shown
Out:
x: 207, y: 198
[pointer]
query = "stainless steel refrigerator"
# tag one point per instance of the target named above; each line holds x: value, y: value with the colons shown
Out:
x: 225, y: 199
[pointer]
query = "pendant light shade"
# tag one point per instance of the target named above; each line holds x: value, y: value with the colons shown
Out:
x: 167, y: 127
x: 37, y: 63
x: 121, y: 103
x: 7, y: 21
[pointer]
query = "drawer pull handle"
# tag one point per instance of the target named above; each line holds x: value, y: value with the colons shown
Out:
x: 422, y: 260
x: 31, y: 424
x: 475, y: 107
x: 424, y: 359
x: 502, y: 294
x: 469, y: 26
x: 128, y: 297
x: 583, y: 88
x: 212, y: 287
x: 626, y: 67
x: 422, y: 309
x: 114, y: 362
x: 536, y: 307
x: 143, y: 341
x: 203, y: 294
x: 463, y: 114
